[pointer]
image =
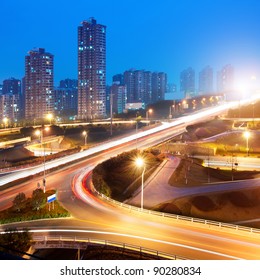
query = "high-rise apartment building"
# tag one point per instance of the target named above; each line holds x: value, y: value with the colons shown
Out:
x: 66, y: 98
x: 10, y: 100
x: 139, y: 86
x: 91, y: 70
x: 145, y: 86
x: 39, y: 92
x: 159, y: 84
x: 129, y: 81
x: 118, y: 79
x: 206, y: 81
x: 187, y: 82
x: 117, y: 98
x: 69, y: 83
x: 12, y: 86
x: 225, y: 79
x: 147, y: 97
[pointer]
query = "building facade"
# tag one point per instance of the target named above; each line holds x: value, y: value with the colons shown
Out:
x: 39, y: 89
x: 159, y: 85
x: 225, y: 79
x: 118, y: 98
x: 187, y: 82
x: 91, y: 70
x: 10, y: 100
x: 66, y: 98
x: 206, y: 81
x: 129, y: 82
x: 145, y: 86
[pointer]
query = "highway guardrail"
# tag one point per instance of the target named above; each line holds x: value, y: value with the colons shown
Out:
x: 178, y: 217
x: 44, y: 241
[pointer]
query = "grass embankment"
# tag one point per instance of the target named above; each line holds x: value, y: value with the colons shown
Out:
x: 228, y: 206
x: 119, y: 176
x: 190, y: 172
x: 222, y: 137
x: 234, y: 207
x: 26, y: 213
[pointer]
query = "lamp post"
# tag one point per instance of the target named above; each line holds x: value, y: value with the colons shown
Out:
x: 50, y: 117
x: 85, y: 134
x: 147, y: 115
x: 247, y: 136
x: 5, y: 121
x: 170, y: 111
x: 40, y: 134
x: 140, y: 163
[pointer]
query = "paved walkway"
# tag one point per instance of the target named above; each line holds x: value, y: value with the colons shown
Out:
x: 156, y: 188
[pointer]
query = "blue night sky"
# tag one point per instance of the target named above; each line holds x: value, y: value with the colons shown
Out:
x: 166, y: 35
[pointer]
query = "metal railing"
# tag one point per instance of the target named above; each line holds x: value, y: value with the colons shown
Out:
x: 223, y: 225
x: 74, y: 242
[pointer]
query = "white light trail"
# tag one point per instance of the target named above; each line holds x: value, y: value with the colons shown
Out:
x: 136, y: 237
x: 113, y: 143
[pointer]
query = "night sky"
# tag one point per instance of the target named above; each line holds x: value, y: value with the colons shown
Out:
x: 165, y: 35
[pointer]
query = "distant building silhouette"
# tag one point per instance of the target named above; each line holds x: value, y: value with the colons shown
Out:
x: 39, y: 89
x: 129, y: 81
x: 145, y: 86
x: 159, y: 83
x: 91, y: 70
x: 187, y: 82
x: 10, y: 100
x: 206, y: 81
x: 225, y: 79
x: 66, y: 98
x: 118, y: 95
x: 118, y: 79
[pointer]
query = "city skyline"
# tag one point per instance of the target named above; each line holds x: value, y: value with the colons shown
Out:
x: 137, y: 38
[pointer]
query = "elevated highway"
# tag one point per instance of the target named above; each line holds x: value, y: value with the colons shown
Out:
x: 92, y: 217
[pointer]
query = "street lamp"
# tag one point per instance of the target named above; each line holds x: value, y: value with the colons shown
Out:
x: 5, y: 121
x: 39, y: 132
x: 85, y: 134
x: 147, y: 115
x: 50, y: 117
x: 140, y: 163
x: 170, y: 113
x: 247, y: 136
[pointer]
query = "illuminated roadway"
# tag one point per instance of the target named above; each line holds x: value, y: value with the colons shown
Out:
x: 178, y: 124
x: 96, y: 219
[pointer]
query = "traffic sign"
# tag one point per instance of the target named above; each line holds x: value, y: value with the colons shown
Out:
x: 51, y: 198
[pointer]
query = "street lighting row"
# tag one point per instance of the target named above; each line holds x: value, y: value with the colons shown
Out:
x: 141, y: 164
x: 39, y: 132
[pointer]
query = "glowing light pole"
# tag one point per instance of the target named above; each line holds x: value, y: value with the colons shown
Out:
x: 147, y: 115
x: 247, y: 136
x: 85, y: 134
x: 50, y: 117
x: 40, y: 134
x: 140, y: 163
x: 5, y: 121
